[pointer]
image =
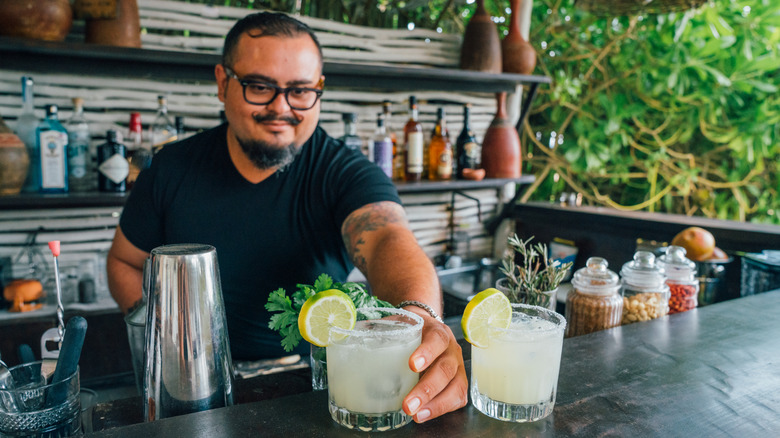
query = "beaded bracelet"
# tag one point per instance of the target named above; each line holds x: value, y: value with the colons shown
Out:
x: 423, y: 306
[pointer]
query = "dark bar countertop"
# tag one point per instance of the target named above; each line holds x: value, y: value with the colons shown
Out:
x: 713, y: 371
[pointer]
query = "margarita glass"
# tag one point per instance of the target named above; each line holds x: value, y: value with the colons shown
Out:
x: 515, y: 377
x: 368, y: 369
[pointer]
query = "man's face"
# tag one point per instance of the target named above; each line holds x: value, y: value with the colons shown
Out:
x: 278, y: 60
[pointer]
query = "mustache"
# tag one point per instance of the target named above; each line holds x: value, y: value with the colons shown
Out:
x: 261, y: 118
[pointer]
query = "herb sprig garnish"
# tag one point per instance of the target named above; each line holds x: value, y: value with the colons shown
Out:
x: 286, y: 321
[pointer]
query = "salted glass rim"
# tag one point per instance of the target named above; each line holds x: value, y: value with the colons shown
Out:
x: 560, y: 321
x: 404, y: 331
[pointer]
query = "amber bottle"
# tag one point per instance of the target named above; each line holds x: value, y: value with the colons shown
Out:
x: 440, y: 150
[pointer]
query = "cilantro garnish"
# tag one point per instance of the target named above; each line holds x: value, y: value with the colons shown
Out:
x: 286, y: 321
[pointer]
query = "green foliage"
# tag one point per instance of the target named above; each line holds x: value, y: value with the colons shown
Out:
x: 538, y: 273
x: 675, y: 113
x: 286, y: 321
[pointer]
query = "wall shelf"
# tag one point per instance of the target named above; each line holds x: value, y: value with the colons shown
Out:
x: 79, y: 58
x: 457, y: 185
x: 98, y: 199
x: 122, y: 62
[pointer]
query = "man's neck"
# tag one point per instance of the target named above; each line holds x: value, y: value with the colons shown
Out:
x: 243, y: 164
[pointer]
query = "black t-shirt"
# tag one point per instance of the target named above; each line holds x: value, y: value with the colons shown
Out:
x: 280, y: 232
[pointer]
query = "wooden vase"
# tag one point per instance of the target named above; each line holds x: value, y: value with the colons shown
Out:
x: 124, y: 30
x: 501, y: 145
x: 48, y: 20
x: 14, y: 162
x: 481, y: 49
x: 517, y: 54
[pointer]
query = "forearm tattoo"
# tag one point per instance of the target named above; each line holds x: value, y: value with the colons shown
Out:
x: 363, y: 221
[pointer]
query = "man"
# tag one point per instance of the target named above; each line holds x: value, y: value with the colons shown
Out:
x: 283, y: 202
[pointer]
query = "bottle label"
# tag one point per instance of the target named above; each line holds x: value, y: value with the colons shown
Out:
x: 472, y: 150
x: 115, y: 168
x: 444, y: 169
x: 53, y: 170
x: 383, y: 156
x: 471, y: 156
x: 414, y: 152
x: 77, y: 160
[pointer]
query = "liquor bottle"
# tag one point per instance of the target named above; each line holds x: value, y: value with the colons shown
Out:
x: 467, y: 149
x: 413, y: 141
x: 440, y: 150
x: 139, y: 156
x: 113, y: 167
x: 350, y: 137
x: 162, y: 130
x: 80, y: 170
x: 383, y: 147
x: 53, y: 147
x: 25, y: 129
x: 398, y: 158
x: 178, y: 122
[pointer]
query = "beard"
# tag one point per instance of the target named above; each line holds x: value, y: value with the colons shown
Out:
x: 265, y: 155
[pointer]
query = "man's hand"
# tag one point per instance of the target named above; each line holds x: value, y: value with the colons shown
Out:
x: 383, y: 247
x: 443, y: 386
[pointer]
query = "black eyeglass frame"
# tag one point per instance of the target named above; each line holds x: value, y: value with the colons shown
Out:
x: 277, y: 90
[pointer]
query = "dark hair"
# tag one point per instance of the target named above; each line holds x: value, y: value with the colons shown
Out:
x: 267, y: 24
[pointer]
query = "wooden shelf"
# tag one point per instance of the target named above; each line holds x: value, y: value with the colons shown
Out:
x: 98, y: 199
x: 124, y: 62
x: 65, y: 200
x: 456, y: 185
x: 79, y: 58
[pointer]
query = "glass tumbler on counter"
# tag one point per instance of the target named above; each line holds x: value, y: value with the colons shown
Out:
x: 515, y: 378
x: 319, y: 368
x: 368, y: 369
x: 546, y: 299
x: 31, y: 408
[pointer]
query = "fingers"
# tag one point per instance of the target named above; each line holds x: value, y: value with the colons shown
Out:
x: 443, y: 386
x: 435, y: 341
x: 453, y: 397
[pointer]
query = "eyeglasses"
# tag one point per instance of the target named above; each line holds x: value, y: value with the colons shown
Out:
x: 263, y: 93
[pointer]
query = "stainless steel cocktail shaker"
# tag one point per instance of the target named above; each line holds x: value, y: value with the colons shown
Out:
x: 188, y: 367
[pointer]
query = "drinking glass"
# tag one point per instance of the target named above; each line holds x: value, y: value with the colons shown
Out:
x: 516, y: 376
x: 31, y: 408
x: 319, y: 368
x: 545, y: 299
x: 368, y: 369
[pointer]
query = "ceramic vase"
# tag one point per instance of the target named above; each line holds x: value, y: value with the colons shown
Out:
x: 481, y: 49
x: 48, y: 20
x: 517, y: 54
x: 124, y: 30
x: 501, y: 145
x: 14, y: 162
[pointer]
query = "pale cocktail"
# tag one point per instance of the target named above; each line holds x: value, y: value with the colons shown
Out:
x: 368, y: 369
x: 514, y: 378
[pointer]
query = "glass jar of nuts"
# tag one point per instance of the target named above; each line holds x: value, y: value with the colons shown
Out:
x: 681, y: 278
x: 644, y: 289
x: 593, y: 303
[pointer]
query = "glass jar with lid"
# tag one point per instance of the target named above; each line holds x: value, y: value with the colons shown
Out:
x: 594, y: 302
x: 681, y: 278
x: 644, y: 289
